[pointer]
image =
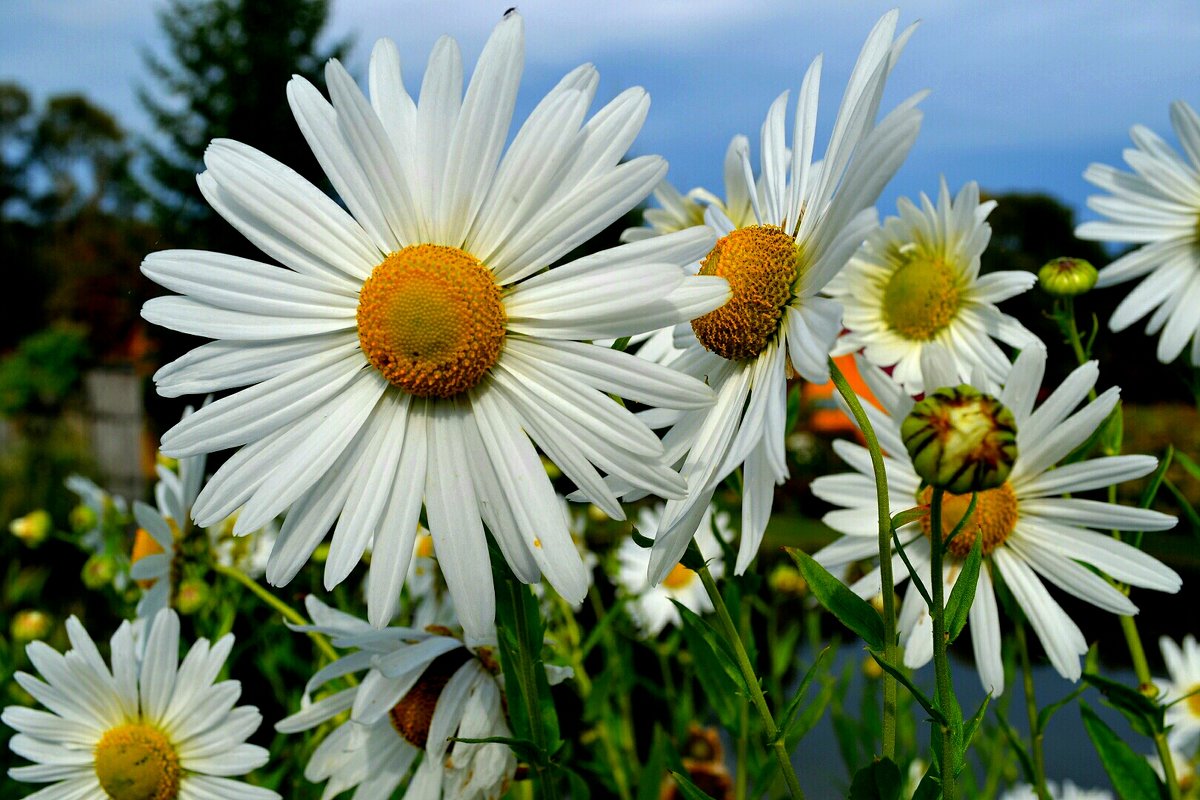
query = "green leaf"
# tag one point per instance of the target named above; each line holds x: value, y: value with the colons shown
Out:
x: 905, y: 681
x: 1049, y: 711
x: 1145, y: 715
x: 1151, y: 490
x: 650, y: 778
x: 879, y: 780
x: 1112, y: 433
x: 1185, y: 505
x: 1130, y: 773
x: 853, y: 612
x: 914, y: 514
x: 973, y: 725
x: 958, y: 607
x: 690, y: 790
x: 644, y: 542
x: 930, y: 787
x: 788, y: 717
x: 1188, y: 464
x: 524, y: 749
x: 1015, y: 741
x: 716, y: 667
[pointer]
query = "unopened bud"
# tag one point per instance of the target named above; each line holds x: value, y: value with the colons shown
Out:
x: 83, y: 518
x: 33, y: 528
x: 191, y: 596
x: 1067, y: 277
x: 872, y: 669
x: 99, y: 571
x: 786, y: 579
x: 961, y: 439
x: 31, y: 624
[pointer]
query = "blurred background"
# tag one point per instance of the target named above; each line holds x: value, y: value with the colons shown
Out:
x: 106, y: 107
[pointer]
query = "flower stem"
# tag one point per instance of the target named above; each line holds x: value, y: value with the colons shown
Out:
x: 730, y: 630
x: 283, y: 608
x: 1141, y: 668
x: 1036, y: 735
x: 885, y: 554
x: 944, y: 738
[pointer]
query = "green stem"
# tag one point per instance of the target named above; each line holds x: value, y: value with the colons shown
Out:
x: 1036, y: 735
x: 283, y: 608
x: 887, y: 582
x: 628, y: 742
x: 526, y: 665
x: 1141, y: 668
x: 943, y: 737
x: 729, y: 629
x: 743, y: 742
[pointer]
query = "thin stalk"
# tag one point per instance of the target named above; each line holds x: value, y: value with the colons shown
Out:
x: 1036, y: 735
x: 730, y: 631
x: 283, y: 608
x: 526, y: 664
x: 628, y: 741
x: 743, y: 742
x: 942, y: 735
x: 885, y: 555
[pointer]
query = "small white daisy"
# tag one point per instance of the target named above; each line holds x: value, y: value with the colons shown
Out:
x: 247, y: 553
x: 915, y: 281
x: 152, y: 727
x: 806, y: 219
x: 414, y: 350
x: 1157, y: 206
x: 1030, y: 524
x: 1182, y: 691
x: 1067, y: 791
x: 421, y: 688
x: 651, y: 606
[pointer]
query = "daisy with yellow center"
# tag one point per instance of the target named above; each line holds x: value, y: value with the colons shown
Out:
x: 1158, y: 207
x: 149, y: 728
x: 414, y: 349
x: 1182, y: 692
x: 1034, y: 527
x: 915, y: 282
x: 421, y: 688
x: 805, y: 219
x: 652, y: 609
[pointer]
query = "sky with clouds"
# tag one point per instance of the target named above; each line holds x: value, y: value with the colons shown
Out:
x: 1024, y: 94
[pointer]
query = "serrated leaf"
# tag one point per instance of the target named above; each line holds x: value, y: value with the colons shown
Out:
x: 907, y: 683
x: 879, y: 780
x: 1130, y: 773
x: 1145, y: 715
x: 789, y: 713
x: 690, y: 790
x: 958, y: 606
x: 850, y: 609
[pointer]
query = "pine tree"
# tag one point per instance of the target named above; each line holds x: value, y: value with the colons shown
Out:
x: 226, y: 76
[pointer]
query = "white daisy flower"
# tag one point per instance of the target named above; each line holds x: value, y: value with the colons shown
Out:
x: 1182, y: 691
x: 808, y: 218
x: 652, y: 609
x: 421, y: 688
x: 148, y: 728
x: 411, y: 351
x: 915, y: 281
x: 248, y: 553
x: 1030, y: 526
x: 1065, y: 791
x: 1157, y: 206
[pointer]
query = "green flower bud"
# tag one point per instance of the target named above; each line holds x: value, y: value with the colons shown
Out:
x: 83, y: 518
x: 33, y: 528
x: 961, y: 440
x: 192, y: 595
x: 31, y: 624
x: 785, y: 579
x: 1067, y: 277
x: 99, y: 571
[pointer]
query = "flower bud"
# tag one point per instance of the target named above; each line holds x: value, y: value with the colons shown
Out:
x: 785, y: 579
x: 191, y: 596
x: 33, y: 528
x: 99, y: 571
x: 31, y: 624
x: 1067, y: 277
x: 83, y: 518
x: 872, y: 669
x: 961, y: 440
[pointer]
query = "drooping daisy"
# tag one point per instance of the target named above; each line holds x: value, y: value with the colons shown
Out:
x: 1157, y: 206
x: 412, y: 351
x: 421, y: 688
x: 652, y: 609
x: 1031, y: 531
x: 152, y: 727
x: 1182, y: 691
x: 915, y: 281
x: 808, y: 218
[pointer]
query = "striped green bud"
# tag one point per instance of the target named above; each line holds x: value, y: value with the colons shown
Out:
x: 961, y: 439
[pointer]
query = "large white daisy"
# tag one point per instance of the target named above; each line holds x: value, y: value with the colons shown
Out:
x: 420, y: 688
x: 412, y: 351
x: 150, y: 727
x: 915, y: 282
x: 1030, y: 528
x: 1182, y: 691
x: 1157, y: 206
x: 807, y: 219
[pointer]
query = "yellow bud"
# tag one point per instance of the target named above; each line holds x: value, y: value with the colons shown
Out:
x: 191, y: 596
x: 33, y: 528
x: 99, y: 571
x: 1067, y: 277
x: 31, y: 624
x: 83, y: 518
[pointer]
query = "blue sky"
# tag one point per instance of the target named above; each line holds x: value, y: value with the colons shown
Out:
x: 1025, y: 93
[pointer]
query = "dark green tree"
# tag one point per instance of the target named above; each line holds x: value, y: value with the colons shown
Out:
x: 226, y: 75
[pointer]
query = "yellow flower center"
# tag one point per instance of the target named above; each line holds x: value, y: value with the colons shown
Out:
x: 994, y: 518
x: 430, y: 320
x: 679, y: 577
x: 921, y: 298
x: 412, y: 716
x: 1193, y: 701
x: 136, y: 762
x: 760, y: 263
